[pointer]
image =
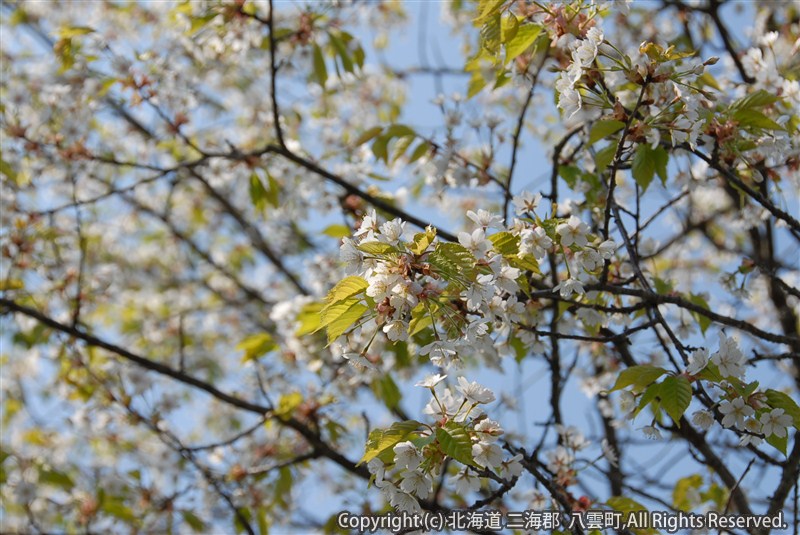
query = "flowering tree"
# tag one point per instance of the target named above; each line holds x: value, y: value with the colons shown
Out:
x: 245, y: 284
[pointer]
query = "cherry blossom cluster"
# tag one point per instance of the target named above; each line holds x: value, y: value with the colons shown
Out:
x: 411, y: 278
x: 417, y: 462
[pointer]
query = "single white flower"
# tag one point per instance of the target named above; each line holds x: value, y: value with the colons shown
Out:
x: 735, y: 412
x: 465, y: 482
x: 406, y: 455
x: 626, y: 401
x: 526, y: 202
x: 573, y: 231
x: 510, y: 468
x: 729, y: 358
x: 568, y: 287
x: 475, y: 392
x: 392, y: 230
x: 432, y: 380
x: 775, y: 423
x: 698, y: 360
x: 703, y: 419
x: 752, y: 426
x: 396, y: 330
x: 487, y: 454
x: 606, y: 249
x: 485, y: 219
x: 475, y: 242
x: 488, y: 430
x: 417, y: 483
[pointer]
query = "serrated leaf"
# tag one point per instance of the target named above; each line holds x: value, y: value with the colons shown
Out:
x: 758, y: 99
x: 649, y: 395
x: 638, y: 376
x: 754, y: 118
x: 376, y: 247
x: 676, y: 395
x: 452, y: 260
x: 523, y: 39
x: 346, y: 288
x: 340, y: 316
x: 455, y: 442
x: 422, y: 240
x: 602, y: 129
x: 505, y: 243
x: 381, y: 440
x: 779, y: 400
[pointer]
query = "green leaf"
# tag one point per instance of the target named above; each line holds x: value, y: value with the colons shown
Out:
x: 337, y: 231
x: 320, y: 70
x: 643, y: 167
x: 380, y: 440
x: 476, y: 83
x: 487, y: 9
x: 779, y: 400
x: 638, y: 376
x: 455, y: 442
x: 386, y: 389
x: 273, y: 193
x: 523, y: 39
x: 602, y: 129
x: 422, y: 240
x: 368, y: 135
x: 755, y: 118
x: 115, y: 507
x: 55, y: 478
x: 419, y: 151
x: 676, y: 395
x: 346, y: 288
x: 649, y: 395
x: 197, y: 525
x: 509, y: 25
x: 505, y: 243
x: 661, y: 158
x: 258, y: 193
x: 779, y: 443
x: 758, y: 99
x: 309, y: 319
x: 256, y: 345
x: 338, y: 318
x: 376, y: 247
x: 702, y: 320
x: 452, y: 260
x: 604, y: 157
x: 341, y: 50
